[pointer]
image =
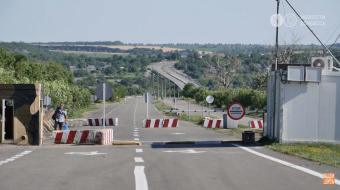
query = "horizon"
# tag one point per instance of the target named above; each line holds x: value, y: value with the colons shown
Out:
x: 167, y: 22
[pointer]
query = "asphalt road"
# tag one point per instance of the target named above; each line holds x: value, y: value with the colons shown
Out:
x: 153, y: 165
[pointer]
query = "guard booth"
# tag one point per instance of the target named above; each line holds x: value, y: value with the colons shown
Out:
x: 21, y: 114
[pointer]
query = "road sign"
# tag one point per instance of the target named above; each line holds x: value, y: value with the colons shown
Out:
x: 99, y: 91
x: 236, y: 111
x: 47, y: 100
x: 209, y: 99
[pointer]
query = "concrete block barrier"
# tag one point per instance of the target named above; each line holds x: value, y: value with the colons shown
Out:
x: 170, y: 123
x: 256, y: 124
x: 212, y: 123
x: 152, y: 123
x: 102, y: 136
x: 99, y: 122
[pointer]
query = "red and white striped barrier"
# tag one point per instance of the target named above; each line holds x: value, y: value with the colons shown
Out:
x: 99, y: 122
x: 103, y: 136
x: 160, y: 123
x: 152, y: 123
x: 256, y: 124
x: 212, y: 123
x: 170, y: 123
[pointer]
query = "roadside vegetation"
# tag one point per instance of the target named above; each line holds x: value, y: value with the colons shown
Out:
x: 79, y: 113
x: 57, y: 80
x: 324, y: 153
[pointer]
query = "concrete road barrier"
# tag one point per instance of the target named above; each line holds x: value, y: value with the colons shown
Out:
x: 101, y: 136
x: 170, y: 123
x: 256, y: 124
x: 160, y: 123
x: 152, y: 123
x: 212, y: 123
x: 99, y: 122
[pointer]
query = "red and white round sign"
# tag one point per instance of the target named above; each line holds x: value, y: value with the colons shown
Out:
x: 236, y: 111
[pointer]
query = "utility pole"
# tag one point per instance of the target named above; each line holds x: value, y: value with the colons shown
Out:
x: 153, y: 84
x: 157, y: 87
x: 276, y: 62
x: 169, y: 89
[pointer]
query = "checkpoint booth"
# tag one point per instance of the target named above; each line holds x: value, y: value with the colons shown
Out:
x: 21, y: 114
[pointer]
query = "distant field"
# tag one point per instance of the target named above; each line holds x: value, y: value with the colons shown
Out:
x: 92, y: 54
x: 165, y: 49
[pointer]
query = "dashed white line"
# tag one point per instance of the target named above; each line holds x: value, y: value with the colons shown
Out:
x: 306, y: 170
x: 13, y: 158
x: 136, y: 139
x: 140, y: 178
x: 139, y: 150
x: 139, y: 159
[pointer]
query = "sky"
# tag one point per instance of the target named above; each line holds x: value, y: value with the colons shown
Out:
x: 167, y: 21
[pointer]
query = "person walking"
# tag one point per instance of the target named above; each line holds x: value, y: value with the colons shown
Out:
x: 60, y: 117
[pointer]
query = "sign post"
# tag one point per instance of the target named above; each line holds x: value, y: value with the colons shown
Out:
x: 147, y: 98
x: 174, y: 101
x: 104, y: 92
x: 104, y: 105
x: 209, y: 99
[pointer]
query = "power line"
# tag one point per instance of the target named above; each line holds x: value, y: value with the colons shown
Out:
x: 312, y: 32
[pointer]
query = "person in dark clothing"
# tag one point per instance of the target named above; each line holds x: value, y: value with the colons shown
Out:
x: 60, y: 117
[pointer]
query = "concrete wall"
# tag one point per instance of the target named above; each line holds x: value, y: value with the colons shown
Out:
x: 27, y: 124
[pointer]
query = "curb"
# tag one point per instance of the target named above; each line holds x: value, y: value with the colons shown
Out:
x: 197, y: 142
x: 127, y: 143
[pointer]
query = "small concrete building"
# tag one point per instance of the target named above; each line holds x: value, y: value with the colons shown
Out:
x: 21, y: 114
x: 303, y: 105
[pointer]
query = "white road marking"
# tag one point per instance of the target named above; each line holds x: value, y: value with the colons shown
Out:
x: 139, y: 159
x: 158, y: 111
x: 136, y: 130
x: 139, y: 150
x: 85, y: 153
x: 113, y: 110
x: 306, y: 170
x: 178, y: 133
x: 136, y: 135
x: 14, y: 157
x: 134, y: 115
x: 185, y: 151
x: 136, y: 139
x: 140, y: 178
